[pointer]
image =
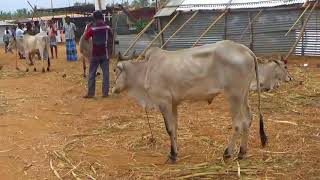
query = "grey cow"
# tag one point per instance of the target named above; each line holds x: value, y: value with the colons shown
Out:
x: 271, y: 75
x: 166, y: 78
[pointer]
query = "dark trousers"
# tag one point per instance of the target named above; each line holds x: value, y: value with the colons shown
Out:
x: 6, y: 44
x: 94, y: 64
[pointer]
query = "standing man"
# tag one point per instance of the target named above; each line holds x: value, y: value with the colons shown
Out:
x: 6, y: 39
x: 100, y: 34
x: 19, y: 38
x: 53, y: 39
x: 69, y: 29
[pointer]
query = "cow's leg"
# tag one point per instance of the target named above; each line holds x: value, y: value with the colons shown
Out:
x: 246, y: 123
x: 235, y: 102
x: 41, y: 51
x: 84, y: 66
x: 169, y: 113
x: 49, y: 64
x: 27, y: 63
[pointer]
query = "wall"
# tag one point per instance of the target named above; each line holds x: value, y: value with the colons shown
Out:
x: 267, y: 32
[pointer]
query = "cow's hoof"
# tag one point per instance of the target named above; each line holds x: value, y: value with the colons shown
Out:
x: 48, y: 69
x: 17, y: 68
x: 27, y: 70
x: 171, y: 159
x: 35, y: 69
x: 98, y: 74
x: 226, y: 154
x: 84, y: 76
x: 242, y: 153
x: 43, y: 70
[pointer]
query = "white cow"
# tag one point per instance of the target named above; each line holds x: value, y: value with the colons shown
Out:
x: 166, y: 78
x: 271, y: 74
x: 30, y: 44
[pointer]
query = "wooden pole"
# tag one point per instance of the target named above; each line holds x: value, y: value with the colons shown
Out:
x: 193, y: 15
x: 208, y: 29
x: 138, y: 36
x: 305, y: 10
x: 154, y: 39
x: 250, y: 24
x: 114, y: 35
x: 301, y: 31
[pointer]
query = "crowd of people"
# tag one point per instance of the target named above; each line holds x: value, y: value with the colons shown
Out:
x: 51, y: 28
x: 98, y: 31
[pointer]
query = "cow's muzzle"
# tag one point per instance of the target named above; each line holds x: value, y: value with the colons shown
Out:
x: 115, y: 90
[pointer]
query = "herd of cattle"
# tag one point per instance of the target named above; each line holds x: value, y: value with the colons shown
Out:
x: 166, y: 78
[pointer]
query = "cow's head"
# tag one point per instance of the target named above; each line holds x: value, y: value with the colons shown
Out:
x: 121, y: 77
x: 281, y: 71
x: 124, y: 58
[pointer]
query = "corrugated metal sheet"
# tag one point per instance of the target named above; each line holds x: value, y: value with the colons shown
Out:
x: 309, y: 45
x: 126, y: 40
x: 268, y: 31
x: 188, y: 5
x: 190, y: 33
x: 169, y: 9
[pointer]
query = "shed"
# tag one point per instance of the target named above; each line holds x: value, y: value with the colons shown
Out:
x: 259, y: 24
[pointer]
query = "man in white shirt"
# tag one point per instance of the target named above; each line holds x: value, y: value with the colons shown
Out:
x: 71, y: 48
x: 19, y: 37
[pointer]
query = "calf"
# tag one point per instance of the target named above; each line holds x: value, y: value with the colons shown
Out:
x: 271, y: 75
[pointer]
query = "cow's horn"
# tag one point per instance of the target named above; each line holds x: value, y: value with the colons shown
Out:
x: 284, y: 60
x: 120, y: 66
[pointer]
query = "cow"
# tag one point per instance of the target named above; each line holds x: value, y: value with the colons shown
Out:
x: 30, y: 44
x: 166, y: 78
x: 271, y: 75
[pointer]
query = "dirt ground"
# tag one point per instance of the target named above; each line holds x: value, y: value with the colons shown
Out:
x: 47, y: 130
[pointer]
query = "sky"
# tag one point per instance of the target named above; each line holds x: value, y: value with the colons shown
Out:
x: 12, y: 5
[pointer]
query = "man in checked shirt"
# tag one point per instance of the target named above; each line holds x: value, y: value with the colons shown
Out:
x: 101, y: 34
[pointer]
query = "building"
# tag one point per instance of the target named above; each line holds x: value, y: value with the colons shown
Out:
x: 270, y: 21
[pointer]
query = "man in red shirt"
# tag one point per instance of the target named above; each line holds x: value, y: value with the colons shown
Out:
x: 100, y: 34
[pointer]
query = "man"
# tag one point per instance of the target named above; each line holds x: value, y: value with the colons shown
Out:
x: 29, y: 29
x: 69, y: 29
x: 53, y: 39
x: 6, y: 39
x: 19, y: 37
x: 8, y: 31
x: 100, y: 34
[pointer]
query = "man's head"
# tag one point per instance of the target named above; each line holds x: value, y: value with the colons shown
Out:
x: 29, y: 26
x: 7, y: 29
x: 68, y: 19
x: 20, y: 25
x: 97, y: 15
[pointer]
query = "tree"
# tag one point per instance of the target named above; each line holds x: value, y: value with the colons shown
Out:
x: 140, y: 3
x: 82, y: 4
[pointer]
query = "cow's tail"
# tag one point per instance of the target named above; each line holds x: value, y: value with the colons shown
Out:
x: 263, y: 136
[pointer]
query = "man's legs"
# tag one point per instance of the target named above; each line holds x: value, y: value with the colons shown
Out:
x: 92, y: 78
x: 104, y: 64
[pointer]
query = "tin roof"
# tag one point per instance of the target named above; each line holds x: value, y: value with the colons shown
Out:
x: 189, y: 5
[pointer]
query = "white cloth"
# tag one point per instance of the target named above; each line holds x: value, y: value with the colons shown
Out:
x: 19, y: 33
x: 69, y: 30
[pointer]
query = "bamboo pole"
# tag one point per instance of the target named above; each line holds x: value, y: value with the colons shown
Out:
x: 305, y: 10
x: 208, y: 29
x: 250, y: 23
x: 138, y: 36
x: 115, y: 35
x: 301, y: 31
x: 193, y: 15
x: 154, y: 39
